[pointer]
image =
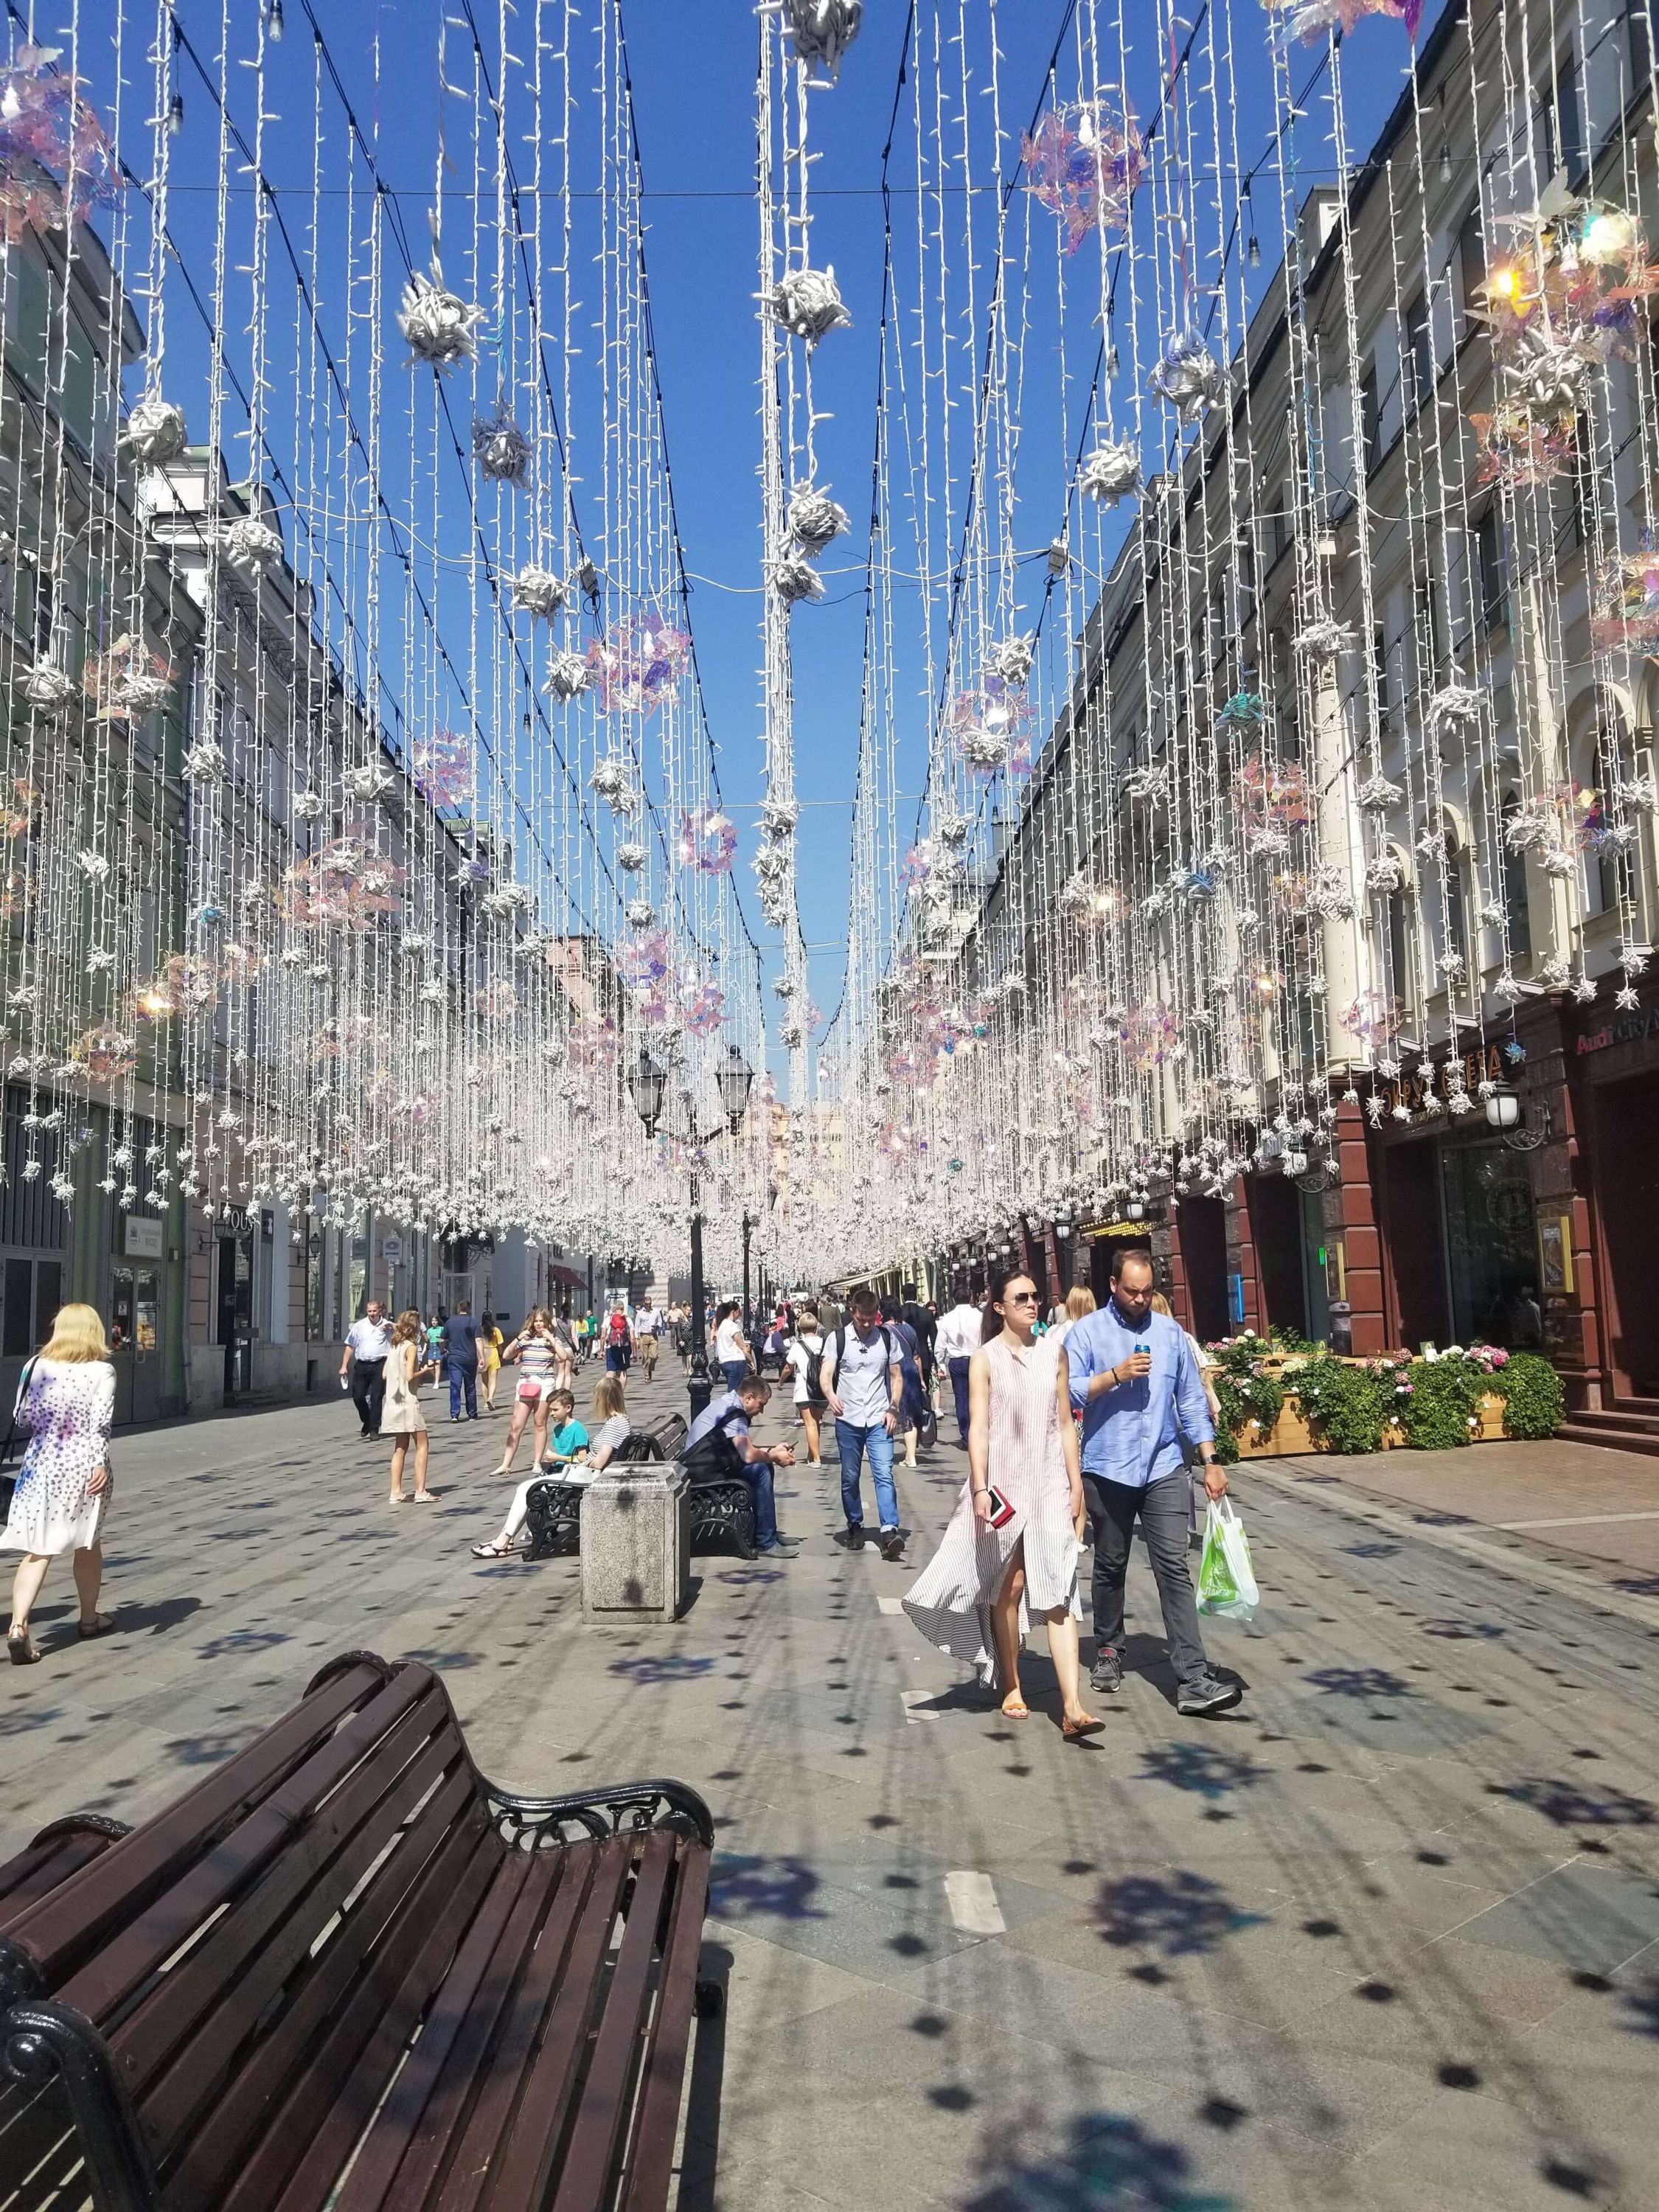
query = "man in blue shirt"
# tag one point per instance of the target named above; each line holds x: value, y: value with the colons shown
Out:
x: 1137, y: 1386
x: 719, y: 1444
x: 461, y: 1334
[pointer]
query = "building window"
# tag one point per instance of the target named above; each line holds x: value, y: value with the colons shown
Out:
x: 34, y: 1290
x: 1456, y: 901
x: 1371, y: 418
x: 1561, y: 138
x: 1470, y: 254
x: 1380, y: 670
x: 1416, y: 356
x: 1643, y: 48
x: 1517, y: 911
x: 1612, y: 873
x: 1491, y: 577
x: 1425, y: 622
x: 1401, y: 960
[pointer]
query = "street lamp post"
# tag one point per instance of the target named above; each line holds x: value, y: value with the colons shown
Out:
x: 750, y: 1225
x: 648, y: 1085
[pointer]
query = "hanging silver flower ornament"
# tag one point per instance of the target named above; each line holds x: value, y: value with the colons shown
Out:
x: 779, y: 817
x: 1454, y: 706
x: 204, y: 763
x: 613, y: 780
x: 807, y: 303
x: 505, y: 902
x: 368, y: 783
x: 138, y: 691
x: 820, y: 31
x: 795, y: 580
x: 1551, y: 379
x: 501, y: 448
x: 438, y: 325
x: 247, y: 547
x: 48, y: 690
x: 1324, y: 639
x: 815, y: 520
x: 310, y: 806
x: 1188, y: 376
x: 631, y: 859
x: 1111, y: 473
x: 154, y: 433
x: 537, y: 590
x: 568, y: 676
x: 641, y: 915
x: 1011, y: 659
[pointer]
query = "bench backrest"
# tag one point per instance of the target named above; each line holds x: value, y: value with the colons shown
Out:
x: 209, y: 1945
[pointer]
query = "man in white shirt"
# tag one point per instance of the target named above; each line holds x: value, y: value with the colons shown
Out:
x: 955, y: 1342
x: 369, y: 1342
x: 647, y: 1333
x: 863, y: 1383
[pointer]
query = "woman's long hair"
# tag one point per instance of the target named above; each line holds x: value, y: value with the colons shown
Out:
x: 1080, y: 1300
x: 608, y: 1400
x: 406, y: 1329
x: 77, y: 1337
x: 990, y: 1322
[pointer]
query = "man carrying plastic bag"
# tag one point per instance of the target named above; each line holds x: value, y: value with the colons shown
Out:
x: 1226, y: 1579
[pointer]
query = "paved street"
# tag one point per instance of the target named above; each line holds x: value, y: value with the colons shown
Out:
x: 1387, y: 1937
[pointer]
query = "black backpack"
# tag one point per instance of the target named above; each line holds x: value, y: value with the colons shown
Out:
x: 714, y: 1457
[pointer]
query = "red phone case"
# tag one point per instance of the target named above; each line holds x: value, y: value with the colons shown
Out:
x: 1001, y: 1511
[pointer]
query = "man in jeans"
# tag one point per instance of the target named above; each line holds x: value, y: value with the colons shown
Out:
x: 461, y: 1334
x: 955, y: 1343
x: 863, y: 1383
x: 719, y: 1444
x: 1137, y: 1386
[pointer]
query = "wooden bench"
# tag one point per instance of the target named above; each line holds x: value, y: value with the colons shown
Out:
x: 345, y: 1969
x: 553, y: 1509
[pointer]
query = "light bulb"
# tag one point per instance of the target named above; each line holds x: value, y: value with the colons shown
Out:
x: 1445, y: 162
x: 274, y: 22
x: 176, y: 114
x: 1253, y: 250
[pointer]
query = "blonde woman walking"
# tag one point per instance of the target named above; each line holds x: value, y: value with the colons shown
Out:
x: 66, y: 1399
x: 401, y: 1418
x: 1079, y: 1301
x: 535, y: 1351
x: 976, y: 1595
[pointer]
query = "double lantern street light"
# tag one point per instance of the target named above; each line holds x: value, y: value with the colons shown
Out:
x: 648, y: 1087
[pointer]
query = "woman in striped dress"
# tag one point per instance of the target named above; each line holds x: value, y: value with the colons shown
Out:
x: 977, y: 1593
x: 536, y: 1349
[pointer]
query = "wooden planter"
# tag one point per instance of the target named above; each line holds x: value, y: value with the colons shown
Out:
x: 1291, y: 1438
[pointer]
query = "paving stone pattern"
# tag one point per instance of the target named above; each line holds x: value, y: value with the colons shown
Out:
x: 1386, y: 1937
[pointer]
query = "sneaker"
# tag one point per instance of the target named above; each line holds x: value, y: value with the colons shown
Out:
x: 1107, y: 1673
x: 783, y: 1549
x: 1206, y: 1693
x: 892, y: 1543
x: 855, y: 1535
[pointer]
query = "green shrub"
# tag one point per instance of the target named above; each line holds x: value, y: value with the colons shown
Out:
x: 1534, y: 1402
x: 1244, y: 1396
x: 1347, y: 1407
x: 1443, y: 1393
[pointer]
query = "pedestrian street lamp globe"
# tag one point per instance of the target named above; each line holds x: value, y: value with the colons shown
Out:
x: 1503, y: 1110
x: 647, y: 1085
x: 733, y: 1079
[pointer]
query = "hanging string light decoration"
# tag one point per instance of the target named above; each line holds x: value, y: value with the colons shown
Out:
x: 501, y: 448
x: 820, y: 31
x: 442, y: 769
x: 807, y: 303
x: 440, y: 328
x: 638, y: 665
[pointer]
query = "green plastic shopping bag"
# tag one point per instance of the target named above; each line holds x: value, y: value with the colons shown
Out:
x: 1226, y: 1579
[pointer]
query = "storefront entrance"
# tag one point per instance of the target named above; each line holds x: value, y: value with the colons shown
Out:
x: 134, y: 1343
x: 1203, y: 1232
x: 1627, y: 1185
x: 1491, y: 1247
x: 236, y: 1311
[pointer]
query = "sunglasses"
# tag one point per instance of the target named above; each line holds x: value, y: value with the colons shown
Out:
x: 1021, y: 1298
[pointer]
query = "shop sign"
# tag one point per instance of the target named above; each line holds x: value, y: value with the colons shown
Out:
x: 143, y: 1238
x: 1485, y: 1065
x: 1116, y: 1228
x: 1631, y: 1030
x: 391, y: 1250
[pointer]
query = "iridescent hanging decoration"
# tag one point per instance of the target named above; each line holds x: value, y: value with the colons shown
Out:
x: 442, y: 768
x: 637, y: 665
x: 1188, y: 376
x: 1083, y: 162
x: 57, y: 162
x: 708, y: 840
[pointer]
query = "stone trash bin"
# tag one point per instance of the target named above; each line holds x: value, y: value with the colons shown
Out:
x: 636, y: 1544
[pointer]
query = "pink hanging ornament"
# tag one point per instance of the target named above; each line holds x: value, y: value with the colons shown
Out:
x: 707, y: 841
x: 1083, y: 162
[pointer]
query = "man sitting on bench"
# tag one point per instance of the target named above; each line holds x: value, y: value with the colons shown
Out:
x: 719, y: 1448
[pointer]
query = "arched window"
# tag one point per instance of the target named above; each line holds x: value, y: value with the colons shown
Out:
x: 1455, y: 900
x: 1613, y: 873
x: 1402, y: 947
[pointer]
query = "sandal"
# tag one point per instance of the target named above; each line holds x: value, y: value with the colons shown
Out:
x: 398, y: 1498
x: 1074, y: 1731
x: 99, y: 1625
x: 494, y: 1551
x: 23, y: 1649
x: 1014, y: 1707
x: 422, y: 1497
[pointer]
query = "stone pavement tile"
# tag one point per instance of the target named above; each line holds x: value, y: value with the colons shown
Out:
x: 1460, y: 2147
x: 769, y: 1986
x: 783, y: 1902
x: 1586, y: 1916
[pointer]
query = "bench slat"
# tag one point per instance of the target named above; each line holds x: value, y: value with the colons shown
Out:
x: 584, y: 2184
x: 290, y: 2122
x: 670, y: 2042
x: 171, y: 1918
x: 67, y: 1925
x: 589, y: 1892
x: 526, y: 2159
x: 219, y: 1993
x: 478, y: 2057
x: 34, y: 1874
x: 395, y: 2123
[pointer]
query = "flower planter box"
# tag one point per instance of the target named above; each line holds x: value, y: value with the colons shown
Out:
x: 1291, y: 1438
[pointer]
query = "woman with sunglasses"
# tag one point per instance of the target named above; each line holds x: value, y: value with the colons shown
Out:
x: 1011, y: 1550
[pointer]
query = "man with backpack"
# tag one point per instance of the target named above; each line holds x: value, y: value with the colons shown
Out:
x: 862, y: 1379
x: 719, y: 1446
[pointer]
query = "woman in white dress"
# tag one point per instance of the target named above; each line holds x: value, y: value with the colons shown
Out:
x: 66, y: 1400
x: 977, y: 1593
x: 401, y: 1418
x: 805, y: 1360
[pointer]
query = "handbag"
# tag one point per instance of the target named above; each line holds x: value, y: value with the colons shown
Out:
x: 8, y: 1480
x: 530, y: 1391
